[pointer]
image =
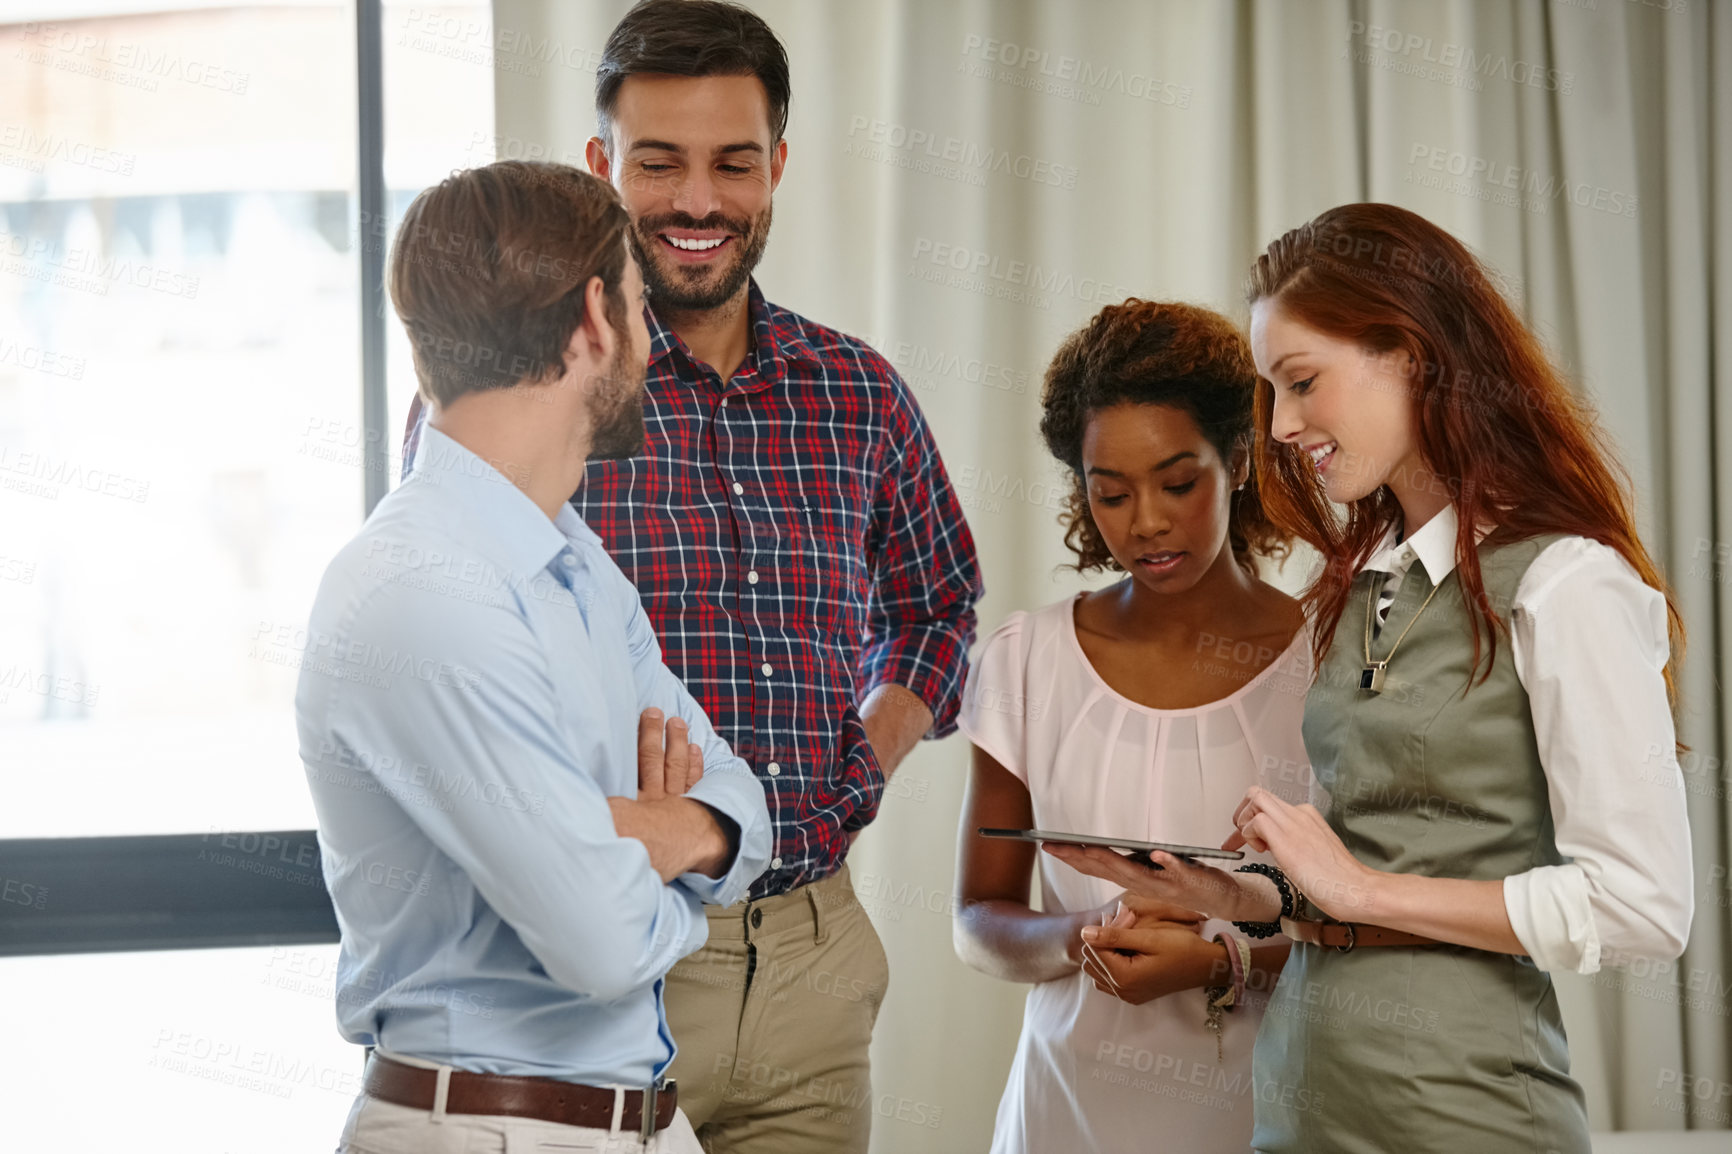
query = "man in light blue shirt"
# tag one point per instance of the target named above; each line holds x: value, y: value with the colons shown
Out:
x: 516, y: 856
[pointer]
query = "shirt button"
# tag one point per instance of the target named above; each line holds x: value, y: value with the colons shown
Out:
x: 767, y: 669
x: 772, y: 769
x: 738, y: 488
x: 752, y: 577
x: 775, y: 863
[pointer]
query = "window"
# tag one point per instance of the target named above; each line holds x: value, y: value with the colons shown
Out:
x: 182, y: 450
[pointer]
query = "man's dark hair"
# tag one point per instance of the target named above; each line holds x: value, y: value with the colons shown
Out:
x: 490, y: 268
x: 692, y: 38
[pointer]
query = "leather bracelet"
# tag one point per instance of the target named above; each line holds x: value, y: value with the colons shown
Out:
x: 1239, y: 958
x: 1270, y: 928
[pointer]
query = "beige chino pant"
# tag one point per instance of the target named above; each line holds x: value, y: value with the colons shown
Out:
x: 773, y: 1018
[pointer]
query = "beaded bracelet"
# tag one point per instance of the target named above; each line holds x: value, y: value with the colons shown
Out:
x: 1271, y: 928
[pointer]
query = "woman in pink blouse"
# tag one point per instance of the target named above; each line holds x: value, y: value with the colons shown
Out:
x: 1143, y: 710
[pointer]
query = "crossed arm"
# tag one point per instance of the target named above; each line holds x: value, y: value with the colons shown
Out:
x: 681, y: 835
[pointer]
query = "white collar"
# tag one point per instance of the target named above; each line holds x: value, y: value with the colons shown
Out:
x: 1433, y: 544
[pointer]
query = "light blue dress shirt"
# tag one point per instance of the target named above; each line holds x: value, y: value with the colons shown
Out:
x: 468, y: 701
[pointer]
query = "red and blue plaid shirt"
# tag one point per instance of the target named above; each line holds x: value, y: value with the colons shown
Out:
x: 797, y: 544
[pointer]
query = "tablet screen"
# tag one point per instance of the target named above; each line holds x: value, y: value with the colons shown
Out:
x: 1138, y: 849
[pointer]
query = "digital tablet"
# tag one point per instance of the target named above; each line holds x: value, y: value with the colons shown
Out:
x: 1138, y: 850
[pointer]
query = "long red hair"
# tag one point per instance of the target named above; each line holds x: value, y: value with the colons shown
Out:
x: 1495, y: 418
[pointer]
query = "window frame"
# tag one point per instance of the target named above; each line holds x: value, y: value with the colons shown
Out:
x: 216, y: 890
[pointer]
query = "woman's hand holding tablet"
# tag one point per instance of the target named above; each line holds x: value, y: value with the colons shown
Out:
x: 1159, y: 873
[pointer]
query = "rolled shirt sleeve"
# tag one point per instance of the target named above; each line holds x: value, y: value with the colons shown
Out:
x: 1590, y: 643
x: 926, y: 577
x: 583, y: 900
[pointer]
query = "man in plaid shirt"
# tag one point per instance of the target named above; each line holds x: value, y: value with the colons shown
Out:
x: 802, y: 556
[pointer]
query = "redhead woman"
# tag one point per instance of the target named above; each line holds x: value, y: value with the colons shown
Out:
x: 1494, y: 648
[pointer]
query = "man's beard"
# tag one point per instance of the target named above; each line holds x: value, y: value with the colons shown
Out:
x: 694, y: 288
x: 616, y: 409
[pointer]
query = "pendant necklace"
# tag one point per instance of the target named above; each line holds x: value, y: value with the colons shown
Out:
x: 1371, y: 677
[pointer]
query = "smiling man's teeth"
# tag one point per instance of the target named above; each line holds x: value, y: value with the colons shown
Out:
x: 694, y: 245
x: 1321, y: 451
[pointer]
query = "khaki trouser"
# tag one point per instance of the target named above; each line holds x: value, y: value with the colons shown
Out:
x: 773, y: 1019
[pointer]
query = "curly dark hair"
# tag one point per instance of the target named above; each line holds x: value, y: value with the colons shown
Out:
x: 1156, y: 353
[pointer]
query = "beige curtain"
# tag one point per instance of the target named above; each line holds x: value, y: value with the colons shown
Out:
x: 969, y: 181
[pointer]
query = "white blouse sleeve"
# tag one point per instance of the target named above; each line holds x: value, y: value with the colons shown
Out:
x: 995, y: 711
x: 1589, y: 644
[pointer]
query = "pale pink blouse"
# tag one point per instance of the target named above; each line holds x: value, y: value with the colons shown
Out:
x: 1093, y: 1073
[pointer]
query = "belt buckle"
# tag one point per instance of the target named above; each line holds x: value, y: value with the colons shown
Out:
x: 646, y: 1124
x: 1352, y: 939
x: 646, y: 1128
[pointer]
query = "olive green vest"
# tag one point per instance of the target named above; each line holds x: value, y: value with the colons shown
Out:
x: 1436, y: 1048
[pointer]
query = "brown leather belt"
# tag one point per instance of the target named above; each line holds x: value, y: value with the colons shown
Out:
x: 1346, y: 936
x: 543, y: 1098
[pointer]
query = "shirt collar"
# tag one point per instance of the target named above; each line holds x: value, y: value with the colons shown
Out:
x: 1433, y: 545
x: 484, y: 507
x: 774, y: 341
